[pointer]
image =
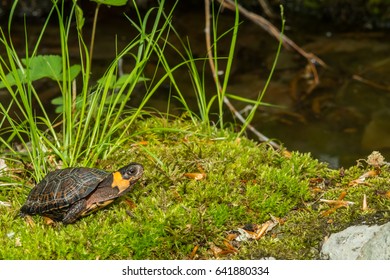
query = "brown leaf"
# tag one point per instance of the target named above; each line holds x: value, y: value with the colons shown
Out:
x: 48, y: 221
x: 193, y: 253
x: 130, y: 203
x: 255, y: 231
x: 336, y: 204
x: 229, y: 246
x: 29, y: 221
x: 140, y: 143
x: 364, y: 204
x: 231, y: 236
x: 371, y: 173
x: 215, y: 250
x: 200, y: 168
x: 195, y: 176
x: 286, y: 154
x: 361, y: 179
x: 328, y: 212
x: 342, y: 195
x: 265, y: 227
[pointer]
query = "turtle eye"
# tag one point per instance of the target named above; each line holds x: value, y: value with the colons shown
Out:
x: 131, y: 171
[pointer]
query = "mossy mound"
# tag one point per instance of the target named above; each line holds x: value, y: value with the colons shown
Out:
x: 196, y: 191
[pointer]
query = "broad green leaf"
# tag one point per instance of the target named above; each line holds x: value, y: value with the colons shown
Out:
x: 74, y: 70
x: 41, y: 66
x: 111, y: 2
x: 10, y: 78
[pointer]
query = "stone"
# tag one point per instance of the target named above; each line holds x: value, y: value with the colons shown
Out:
x: 358, y: 242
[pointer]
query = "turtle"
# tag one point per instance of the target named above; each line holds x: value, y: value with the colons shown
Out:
x: 68, y: 194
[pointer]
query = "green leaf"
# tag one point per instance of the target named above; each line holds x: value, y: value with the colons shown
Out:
x: 57, y: 100
x: 41, y: 66
x: 38, y: 67
x: 10, y: 78
x: 59, y: 103
x: 111, y: 2
x: 79, y: 18
x: 122, y: 80
x: 103, y: 80
x: 74, y: 70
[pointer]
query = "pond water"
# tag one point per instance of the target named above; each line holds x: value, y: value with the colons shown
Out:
x: 340, y: 120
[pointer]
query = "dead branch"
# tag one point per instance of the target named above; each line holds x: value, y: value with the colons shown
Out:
x: 271, y: 29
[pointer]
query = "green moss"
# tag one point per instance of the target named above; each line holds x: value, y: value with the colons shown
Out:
x: 245, y: 183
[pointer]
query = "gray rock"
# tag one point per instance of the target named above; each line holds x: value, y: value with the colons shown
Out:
x: 359, y: 242
x: 378, y: 247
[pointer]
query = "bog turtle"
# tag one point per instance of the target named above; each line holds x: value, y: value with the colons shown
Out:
x: 68, y: 194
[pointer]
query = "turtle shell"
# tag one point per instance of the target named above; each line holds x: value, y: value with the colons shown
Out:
x: 60, y: 189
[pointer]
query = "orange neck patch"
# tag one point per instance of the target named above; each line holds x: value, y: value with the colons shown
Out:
x: 119, y: 182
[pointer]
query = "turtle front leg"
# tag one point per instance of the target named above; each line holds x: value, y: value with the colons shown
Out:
x: 75, y: 212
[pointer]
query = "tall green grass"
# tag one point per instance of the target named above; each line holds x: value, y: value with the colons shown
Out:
x: 211, y: 108
x: 93, y: 120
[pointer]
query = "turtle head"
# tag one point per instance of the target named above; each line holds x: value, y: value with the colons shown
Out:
x: 127, y: 176
x: 132, y: 172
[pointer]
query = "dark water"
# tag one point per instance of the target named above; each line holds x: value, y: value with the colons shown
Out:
x: 342, y: 119
x: 347, y: 115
